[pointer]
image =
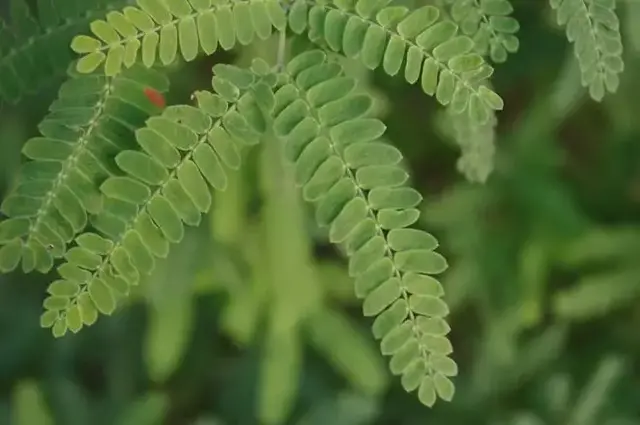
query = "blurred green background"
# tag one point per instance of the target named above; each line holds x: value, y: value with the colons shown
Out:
x: 253, y: 319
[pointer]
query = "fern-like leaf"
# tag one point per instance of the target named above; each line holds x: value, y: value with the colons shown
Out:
x: 160, y: 28
x: 476, y: 140
x: 489, y: 24
x: 358, y: 189
x: 93, y: 119
x: 162, y: 186
x: 33, y: 50
x: 594, y: 28
x: 477, y: 144
x: 430, y: 49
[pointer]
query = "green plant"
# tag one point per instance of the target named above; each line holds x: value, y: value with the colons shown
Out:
x: 113, y: 179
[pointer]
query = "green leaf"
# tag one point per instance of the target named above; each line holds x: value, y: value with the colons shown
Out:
x: 372, y: 176
x: 194, y: 185
x: 150, y: 43
x: 353, y: 213
x: 115, y: 58
x: 158, y: 147
x: 325, y: 177
x: 418, y: 21
x: 166, y: 218
x: 73, y: 318
x: 59, y: 328
x: 10, y: 255
x: 396, y: 339
x: 452, y: 48
x: 188, y: 36
x: 48, y: 318
x: 406, y: 239
x: 85, y: 44
x: 428, y: 305
x: 90, y: 62
x: 445, y: 366
x: 433, y: 326
x: 360, y: 155
x: 13, y: 228
x: 168, y: 44
x: 398, y: 198
x: 395, y: 219
x: 421, y: 284
x: 437, y: 344
x: 102, y: 297
x: 56, y: 303
x: 157, y: 10
x: 490, y: 98
x: 142, y: 167
x: 121, y: 24
x: 141, y: 20
x: 104, y: 32
x: 390, y: 318
x: 212, y: 104
x: 87, y: 308
x: 64, y: 288
x: 279, y: 376
x: 94, y: 243
x: 226, y: 29
x: 376, y: 274
x: 83, y: 258
x: 421, y: 261
x: 413, y: 374
x: 427, y: 391
x: 370, y: 252
x: 349, y: 351
x: 443, y: 386
x: 403, y: 358
x: 210, y: 166
x: 207, y: 31
x: 126, y: 189
x: 465, y: 63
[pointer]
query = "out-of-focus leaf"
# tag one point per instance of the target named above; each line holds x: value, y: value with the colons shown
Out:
x: 29, y: 406
x: 534, y: 268
x: 279, y: 376
x: 168, y: 333
x: 527, y: 419
x: 604, y: 244
x: 336, y: 282
x: 171, y: 308
x: 630, y: 25
x: 353, y: 354
x: 208, y: 421
x: 595, y: 394
x: 345, y: 409
x: 597, y: 294
x: 150, y: 409
x: 244, y: 308
x: 557, y: 393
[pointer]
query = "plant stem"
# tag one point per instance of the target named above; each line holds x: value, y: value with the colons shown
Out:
x: 282, y: 45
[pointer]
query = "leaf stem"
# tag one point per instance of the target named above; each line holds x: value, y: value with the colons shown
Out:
x: 282, y: 45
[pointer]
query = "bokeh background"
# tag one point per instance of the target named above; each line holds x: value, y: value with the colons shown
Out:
x: 543, y: 284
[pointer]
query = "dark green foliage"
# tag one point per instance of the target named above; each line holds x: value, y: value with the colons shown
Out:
x: 357, y: 187
x: 489, y: 24
x: 147, y: 204
x: 90, y: 122
x: 34, y: 45
x: 594, y: 28
x: 156, y: 32
x: 115, y: 179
